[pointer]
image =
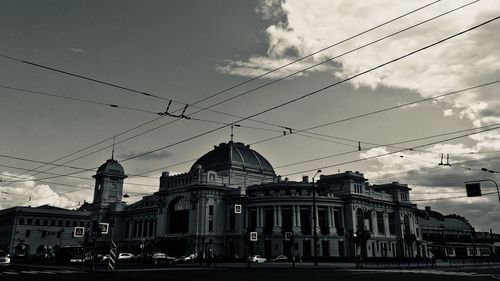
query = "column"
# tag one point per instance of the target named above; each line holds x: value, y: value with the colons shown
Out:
x: 386, y: 224
x: 296, y: 219
x: 276, y: 227
x: 318, y: 230
x: 259, y: 219
x: 280, y: 217
x: 331, y: 216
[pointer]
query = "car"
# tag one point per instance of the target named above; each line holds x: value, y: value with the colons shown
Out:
x: 186, y: 259
x: 105, y: 258
x: 4, y: 258
x: 159, y: 257
x: 280, y: 258
x: 257, y: 259
x: 125, y: 257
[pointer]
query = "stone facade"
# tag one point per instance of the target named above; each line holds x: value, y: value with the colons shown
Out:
x: 194, y: 212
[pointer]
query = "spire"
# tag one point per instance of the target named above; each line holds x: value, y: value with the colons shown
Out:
x: 232, y: 130
x: 113, y: 151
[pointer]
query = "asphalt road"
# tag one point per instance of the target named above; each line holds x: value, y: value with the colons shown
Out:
x: 254, y: 273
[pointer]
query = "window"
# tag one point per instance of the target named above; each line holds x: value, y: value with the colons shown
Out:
x: 75, y: 223
x: 21, y: 221
x: 45, y: 222
x: 211, y: 218
x: 28, y: 233
x: 59, y: 233
x: 380, y: 222
x: 392, y: 225
x: 60, y: 223
x: 127, y: 228
x: 37, y: 222
x: 44, y: 234
x: 82, y: 224
x: 53, y: 222
x: 30, y: 221
x: 232, y: 220
x: 68, y: 223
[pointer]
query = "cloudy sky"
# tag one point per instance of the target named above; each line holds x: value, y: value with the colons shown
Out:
x: 200, y: 52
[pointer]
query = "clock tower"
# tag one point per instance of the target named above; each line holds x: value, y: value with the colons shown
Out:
x: 108, y: 188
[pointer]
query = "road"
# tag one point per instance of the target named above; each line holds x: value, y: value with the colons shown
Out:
x: 254, y: 273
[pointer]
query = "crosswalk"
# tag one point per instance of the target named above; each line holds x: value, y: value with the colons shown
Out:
x: 422, y: 271
x: 36, y: 272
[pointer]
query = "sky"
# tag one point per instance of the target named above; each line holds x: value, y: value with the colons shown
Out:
x: 358, y: 83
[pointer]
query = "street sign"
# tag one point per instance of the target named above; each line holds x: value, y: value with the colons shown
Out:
x: 253, y: 236
x: 473, y: 189
x: 79, y: 231
x: 288, y: 236
x: 237, y: 208
x: 104, y: 227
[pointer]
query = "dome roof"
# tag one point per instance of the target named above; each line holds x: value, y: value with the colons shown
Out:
x: 111, y: 167
x: 233, y: 155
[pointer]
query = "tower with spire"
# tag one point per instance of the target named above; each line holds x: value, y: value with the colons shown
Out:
x: 109, y: 178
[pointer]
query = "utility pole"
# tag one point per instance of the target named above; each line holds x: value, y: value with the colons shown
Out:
x: 315, y: 222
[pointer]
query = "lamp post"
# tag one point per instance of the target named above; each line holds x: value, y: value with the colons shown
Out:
x: 492, y: 172
x: 315, y: 234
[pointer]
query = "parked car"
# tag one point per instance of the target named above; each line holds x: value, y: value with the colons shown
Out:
x: 161, y: 258
x: 280, y: 258
x: 257, y: 259
x: 105, y: 258
x: 186, y: 259
x: 4, y: 258
x: 125, y: 257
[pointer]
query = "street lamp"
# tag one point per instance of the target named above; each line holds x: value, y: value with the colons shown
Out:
x: 315, y: 237
x: 478, y: 186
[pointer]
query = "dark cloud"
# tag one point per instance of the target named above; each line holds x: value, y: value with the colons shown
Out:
x: 152, y: 156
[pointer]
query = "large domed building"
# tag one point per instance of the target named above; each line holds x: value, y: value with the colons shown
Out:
x: 230, y: 194
x: 199, y: 211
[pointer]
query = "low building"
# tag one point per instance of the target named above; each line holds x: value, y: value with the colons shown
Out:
x: 40, y: 230
x: 452, y: 236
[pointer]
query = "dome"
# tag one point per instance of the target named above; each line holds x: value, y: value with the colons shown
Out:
x: 233, y: 155
x: 111, y: 167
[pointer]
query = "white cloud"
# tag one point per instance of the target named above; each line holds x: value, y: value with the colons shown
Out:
x: 448, y: 112
x: 78, y: 50
x: 299, y: 28
x: 26, y: 193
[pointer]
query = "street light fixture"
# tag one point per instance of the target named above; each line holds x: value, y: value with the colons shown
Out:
x: 315, y: 237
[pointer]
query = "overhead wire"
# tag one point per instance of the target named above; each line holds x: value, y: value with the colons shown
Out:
x: 390, y: 153
x: 325, y: 87
x: 322, y: 89
x: 252, y: 79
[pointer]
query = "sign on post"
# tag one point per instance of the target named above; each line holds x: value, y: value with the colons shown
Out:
x: 79, y: 231
x: 237, y: 208
x: 104, y: 227
x: 473, y: 189
x: 288, y: 236
x: 253, y: 236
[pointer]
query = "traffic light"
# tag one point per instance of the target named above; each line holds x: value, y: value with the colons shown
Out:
x: 473, y: 189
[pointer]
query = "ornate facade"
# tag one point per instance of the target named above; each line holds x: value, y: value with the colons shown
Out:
x: 194, y: 212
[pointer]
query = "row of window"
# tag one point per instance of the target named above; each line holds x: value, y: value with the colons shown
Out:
x: 141, y: 228
x: 43, y: 234
x: 46, y: 222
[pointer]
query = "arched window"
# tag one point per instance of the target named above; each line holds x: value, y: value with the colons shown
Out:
x: 407, y: 225
x: 359, y: 220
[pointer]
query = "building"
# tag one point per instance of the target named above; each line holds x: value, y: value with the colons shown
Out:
x: 452, y: 236
x: 195, y: 213
x: 40, y: 230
